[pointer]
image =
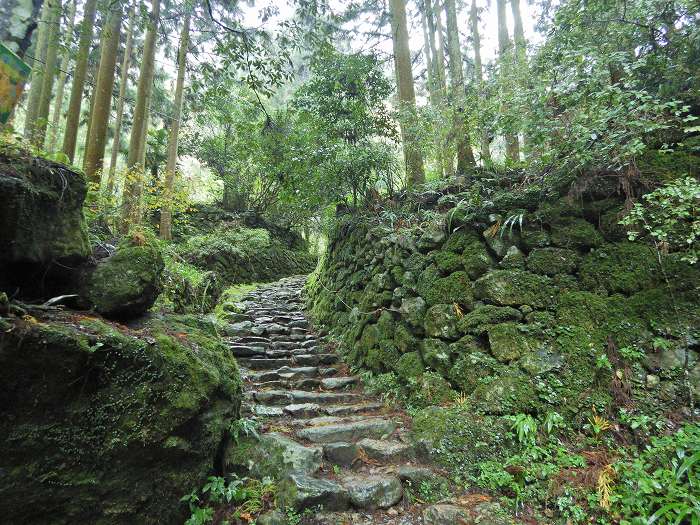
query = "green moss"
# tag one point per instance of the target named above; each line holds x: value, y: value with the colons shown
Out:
x: 552, y: 261
x: 409, y: 365
x: 534, y: 237
x: 470, y: 369
x: 107, y: 427
x: 404, y: 339
x: 441, y: 321
x: 515, y: 287
x: 127, y: 283
x: 510, y: 392
x: 570, y: 232
x: 459, y: 241
x: 381, y: 357
x: 446, y: 261
x: 477, y: 259
x: 436, y: 355
x: 455, y: 288
x: 478, y: 321
x: 625, y: 267
x: 465, y: 345
x: 459, y: 439
x: 508, y: 341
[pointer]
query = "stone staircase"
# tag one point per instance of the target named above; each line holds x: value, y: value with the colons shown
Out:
x: 336, y: 451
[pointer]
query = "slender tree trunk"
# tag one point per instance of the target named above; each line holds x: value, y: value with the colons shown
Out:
x: 123, y: 80
x: 427, y: 52
x: 433, y: 86
x: 465, y: 155
x: 130, y: 205
x: 478, y: 69
x: 447, y: 151
x: 518, y: 32
x: 34, y: 94
x: 407, y: 96
x: 52, y: 40
x: 76, y: 94
x: 504, y: 50
x: 99, y: 118
x: 62, y: 76
x: 166, y: 216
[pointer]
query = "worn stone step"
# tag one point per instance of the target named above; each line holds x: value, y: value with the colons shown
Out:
x: 246, y: 351
x: 386, y: 450
x: 342, y: 410
x: 284, y: 373
x: 289, y: 397
x: 351, y: 431
x: 299, y: 491
x: 265, y: 364
x: 374, y: 491
x: 338, y: 383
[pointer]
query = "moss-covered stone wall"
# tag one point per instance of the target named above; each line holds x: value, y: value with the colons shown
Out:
x: 546, y: 308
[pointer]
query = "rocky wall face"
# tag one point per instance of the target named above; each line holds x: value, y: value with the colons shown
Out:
x: 101, y: 424
x: 43, y: 235
x: 541, y: 316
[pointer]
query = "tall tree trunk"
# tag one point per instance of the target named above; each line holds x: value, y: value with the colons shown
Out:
x: 38, y: 67
x: 433, y: 85
x: 447, y: 151
x: 465, y: 155
x: 123, y: 80
x: 62, y: 76
x: 52, y: 40
x: 518, y: 32
x: 407, y: 96
x: 166, y: 215
x: 504, y: 50
x: 130, y: 205
x: 99, y: 118
x: 76, y: 95
x: 478, y: 69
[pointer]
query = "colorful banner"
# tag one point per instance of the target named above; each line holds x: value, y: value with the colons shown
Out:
x: 13, y: 74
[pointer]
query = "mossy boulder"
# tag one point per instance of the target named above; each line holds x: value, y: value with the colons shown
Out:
x: 126, y: 284
x: 508, y: 341
x: 43, y: 234
x: 470, y: 369
x: 514, y: 288
x: 459, y: 439
x: 413, y: 310
x: 436, y: 354
x: 441, y: 321
x: 482, y: 317
x: 410, y: 365
x: 626, y: 267
x: 552, y: 261
x: 510, y: 392
x: 476, y: 259
x: 572, y: 232
x: 446, y: 261
x: 455, y: 288
x: 104, y: 425
x: 533, y: 237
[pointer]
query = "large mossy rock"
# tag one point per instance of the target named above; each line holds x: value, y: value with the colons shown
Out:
x: 126, y: 284
x: 43, y: 234
x: 101, y: 425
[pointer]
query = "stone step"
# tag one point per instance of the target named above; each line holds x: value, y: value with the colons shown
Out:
x: 290, y: 397
x: 386, y: 450
x: 351, y: 432
x: 338, y: 383
x: 283, y: 373
x: 246, y: 351
x: 372, y: 492
x: 313, y: 410
x: 265, y: 364
x: 300, y: 491
x: 250, y: 340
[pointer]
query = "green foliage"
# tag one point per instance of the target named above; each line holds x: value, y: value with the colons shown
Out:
x: 525, y: 427
x: 246, y: 497
x: 670, y: 215
x: 661, y: 484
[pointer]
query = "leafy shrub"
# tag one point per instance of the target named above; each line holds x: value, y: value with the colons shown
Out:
x: 670, y: 215
x: 662, y: 484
